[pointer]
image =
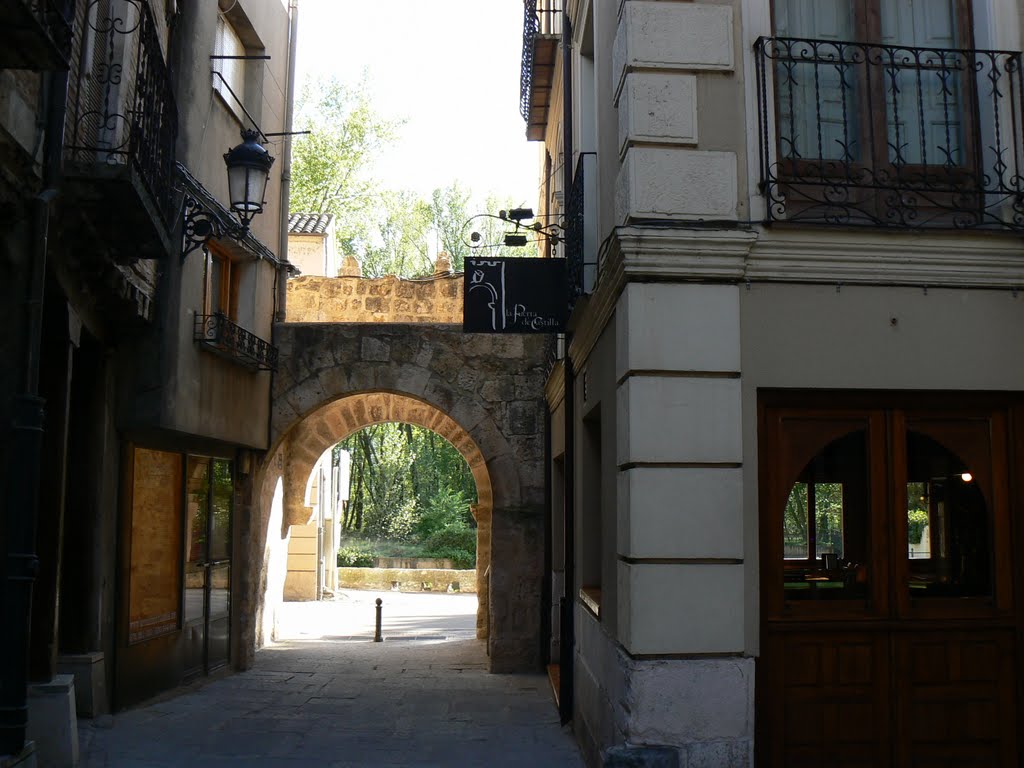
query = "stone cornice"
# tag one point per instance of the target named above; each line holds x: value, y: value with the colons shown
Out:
x: 640, y: 253
x: 953, y: 259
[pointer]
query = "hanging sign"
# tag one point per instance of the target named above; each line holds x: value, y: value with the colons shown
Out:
x: 510, y: 295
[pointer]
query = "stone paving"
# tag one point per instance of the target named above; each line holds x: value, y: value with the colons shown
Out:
x: 343, y: 703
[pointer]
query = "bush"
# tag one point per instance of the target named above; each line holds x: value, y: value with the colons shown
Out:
x: 447, y: 509
x: 462, y: 559
x: 354, y: 557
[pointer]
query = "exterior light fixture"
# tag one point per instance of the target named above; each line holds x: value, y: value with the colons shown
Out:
x: 248, y: 171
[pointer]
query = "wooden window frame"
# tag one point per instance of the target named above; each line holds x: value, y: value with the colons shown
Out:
x: 226, y: 302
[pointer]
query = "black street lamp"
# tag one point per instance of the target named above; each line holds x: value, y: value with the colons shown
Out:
x: 248, y: 171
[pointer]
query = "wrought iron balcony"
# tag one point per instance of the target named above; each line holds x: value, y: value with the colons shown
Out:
x: 542, y: 29
x: 859, y: 134
x: 580, y: 219
x: 122, y: 124
x: 218, y: 334
x: 35, y: 34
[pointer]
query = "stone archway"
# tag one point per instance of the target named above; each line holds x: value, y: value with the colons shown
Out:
x: 483, y: 393
x: 341, y: 418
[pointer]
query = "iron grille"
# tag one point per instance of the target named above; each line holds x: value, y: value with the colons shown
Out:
x: 217, y: 333
x: 859, y: 134
x: 574, y: 233
x: 540, y: 18
x: 580, y: 252
x: 122, y: 110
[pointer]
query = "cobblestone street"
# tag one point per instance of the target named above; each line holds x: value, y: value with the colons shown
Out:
x: 342, y: 700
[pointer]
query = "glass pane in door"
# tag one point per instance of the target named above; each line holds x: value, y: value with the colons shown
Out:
x: 825, y: 524
x: 196, y: 543
x: 220, y: 510
x: 948, y: 522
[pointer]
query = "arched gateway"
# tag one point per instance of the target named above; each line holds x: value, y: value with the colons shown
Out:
x: 483, y: 393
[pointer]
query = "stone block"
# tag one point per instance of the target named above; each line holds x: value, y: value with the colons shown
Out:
x: 680, y: 512
x: 679, y: 419
x: 375, y: 350
x: 658, y: 108
x: 680, y: 608
x: 705, y: 707
x: 658, y: 35
x: 676, y: 183
x: 677, y: 327
x: 52, y: 721
x: 89, y: 673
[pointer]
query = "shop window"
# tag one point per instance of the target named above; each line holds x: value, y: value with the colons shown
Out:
x: 155, y: 542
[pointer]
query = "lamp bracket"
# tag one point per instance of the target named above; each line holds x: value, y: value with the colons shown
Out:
x: 201, y: 225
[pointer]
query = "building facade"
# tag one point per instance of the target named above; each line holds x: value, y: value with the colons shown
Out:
x: 138, y: 315
x: 787, y: 425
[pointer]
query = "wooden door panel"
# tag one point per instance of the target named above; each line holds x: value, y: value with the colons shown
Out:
x: 830, y: 702
x: 954, y: 696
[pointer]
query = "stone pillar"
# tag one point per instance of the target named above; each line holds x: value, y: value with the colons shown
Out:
x: 680, y: 543
x: 517, y: 563
x: 350, y: 267
x: 483, y: 563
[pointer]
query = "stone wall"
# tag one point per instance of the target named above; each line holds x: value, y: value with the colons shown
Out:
x: 388, y: 299
x: 408, y: 579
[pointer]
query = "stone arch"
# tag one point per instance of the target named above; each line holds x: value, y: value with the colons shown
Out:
x: 489, y: 387
x: 343, y: 417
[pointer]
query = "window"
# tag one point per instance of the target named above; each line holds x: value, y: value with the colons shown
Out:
x: 221, y: 287
x: 231, y: 71
x: 882, y: 113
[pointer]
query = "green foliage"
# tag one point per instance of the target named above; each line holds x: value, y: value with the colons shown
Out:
x: 353, y: 556
x: 330, y: 165
x: 410, y: 491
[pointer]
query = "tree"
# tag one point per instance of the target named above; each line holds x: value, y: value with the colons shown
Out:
x: 330, y: 165
x: 402, y: 242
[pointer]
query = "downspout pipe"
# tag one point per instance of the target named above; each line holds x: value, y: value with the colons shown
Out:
x: 286, y: 163
x: 26, y: 439
x: 567, y: 640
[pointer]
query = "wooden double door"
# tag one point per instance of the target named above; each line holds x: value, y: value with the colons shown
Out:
x: 890, y: 631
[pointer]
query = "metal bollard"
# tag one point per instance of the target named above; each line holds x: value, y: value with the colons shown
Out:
x: 377, y: 636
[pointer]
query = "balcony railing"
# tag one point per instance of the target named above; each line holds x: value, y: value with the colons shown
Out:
x: 218, y: 334
x: 35, y: 34
x: 542, y: 27
x: 580, y: 209
x: 858, y: 134
x: 121, y: 110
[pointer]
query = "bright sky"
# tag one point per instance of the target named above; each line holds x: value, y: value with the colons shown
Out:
x: 450, y: 69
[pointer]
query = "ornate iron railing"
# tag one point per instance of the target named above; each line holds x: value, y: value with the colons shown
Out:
x: 122, y: 110
x: 540, y: 18
x: 217, y: 333
x: 31, y: 25
x: 890, y: 136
